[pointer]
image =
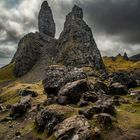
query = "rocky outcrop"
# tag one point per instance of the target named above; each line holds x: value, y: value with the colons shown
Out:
x: 57, y: 76
x: 20, y: 108
x: 73, y: 91
x: 76, y: 44
x: 27, y: 54
x: 118, y: 89
x: 73, y: 128
x: 46, y: 23
x: 125, y: 56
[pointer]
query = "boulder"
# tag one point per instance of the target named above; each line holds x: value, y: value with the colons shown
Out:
x: 73, y: 128
x: 83, y: 103
x: 124, y: 78
x: 76, y: 44
x: 74, y: 90
x: 104, y: 120
x: 90, y: 97
x: 117, y: 89
x: 97, y: 109
x: 57, y: 76
x: 25, y: 92
x: 46, y: 23
x: 20, y: 108
x: 48, y: 119
x: 100, y: 87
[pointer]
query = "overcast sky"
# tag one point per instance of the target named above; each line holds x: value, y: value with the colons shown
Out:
x: 115, y: 23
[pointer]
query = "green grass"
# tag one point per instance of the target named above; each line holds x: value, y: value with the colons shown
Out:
x: 6, y: 73
x: 120, y: 64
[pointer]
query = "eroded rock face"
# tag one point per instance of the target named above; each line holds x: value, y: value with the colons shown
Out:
x: 73, y: 128
x: 118, y: 89
x: 74, y: 90
x: 46, y: 23
x: 57, y: 76
x: 76, y: 44
x: 27, y: 54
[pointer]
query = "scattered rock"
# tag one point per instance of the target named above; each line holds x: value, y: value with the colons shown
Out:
x: 25, y: 92
x: 62, y: 100
x: 48, y: 119
x: 20, y: 108
x: 83, y: 103
x: 117, y: 89
x: 100, y: 87
x: 97, y: 109
x: 74, y: 90
x: 73, y: 128
x: 104, y: 120
x: 90, y: 97
x: 124, y: 78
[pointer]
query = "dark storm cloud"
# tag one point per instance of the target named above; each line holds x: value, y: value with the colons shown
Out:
x: 115, y: 17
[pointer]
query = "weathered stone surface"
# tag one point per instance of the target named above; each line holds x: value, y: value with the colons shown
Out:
x: 76, y: 44
x: 46, y: 23
x: 124, y: 78
x: 104, y: 107
x: 90, y: 97
x: 57, y: 76
x: 27, y: 54
x: 73, y: 128
x: 20, y: 108
x: 74, y: 90
x: 101, y: 87
x: 104, y: 120
x: 25, y: 92
x: 51, y: 116
x: 117, y: 89
x: 48, y: 119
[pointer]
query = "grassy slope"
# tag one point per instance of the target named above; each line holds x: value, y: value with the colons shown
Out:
x: 120, y: 64
x: 6, y: 73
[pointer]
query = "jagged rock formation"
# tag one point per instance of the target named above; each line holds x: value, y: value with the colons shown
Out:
x: 27, y: 54
x: 125, y: 56
x: 76, y: 44
x: 46, y: 23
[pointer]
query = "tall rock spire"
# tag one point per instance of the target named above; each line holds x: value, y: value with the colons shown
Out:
x: 76, y: 44
x: 46, y: 23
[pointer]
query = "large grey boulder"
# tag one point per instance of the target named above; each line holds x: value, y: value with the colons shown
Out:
x: 46, y: 23
x: 74, y: 90
x: 76, y: 44
x: 57, y: 76
x: 74, y: 128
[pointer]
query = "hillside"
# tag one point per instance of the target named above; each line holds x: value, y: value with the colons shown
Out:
x: 135, y: 57
x: 120, y: 64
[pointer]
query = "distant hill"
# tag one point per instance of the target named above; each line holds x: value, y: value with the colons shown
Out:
x: 135, y: 57
x: 119, y: 63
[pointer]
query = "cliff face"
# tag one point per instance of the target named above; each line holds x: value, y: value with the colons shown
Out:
x: 75, y: 46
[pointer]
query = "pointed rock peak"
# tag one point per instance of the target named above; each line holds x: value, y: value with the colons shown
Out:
x: 45, y: 4
x: 125, y: 56
x: 77, y: 12
x: 46, y: 23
